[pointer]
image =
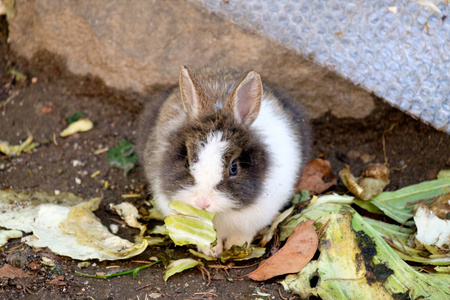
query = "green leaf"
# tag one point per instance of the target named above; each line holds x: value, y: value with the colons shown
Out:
x: 302, y: 196
x: 394, y: 204
x: 190, y: 226
x: 133, y: 272
x: 123, y: 156
x: 180, y: 265
x: 19, y: 76
x: 367, y: 205
x: 75, y: 117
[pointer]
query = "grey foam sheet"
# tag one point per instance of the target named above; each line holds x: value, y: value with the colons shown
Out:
x: 402, y: 56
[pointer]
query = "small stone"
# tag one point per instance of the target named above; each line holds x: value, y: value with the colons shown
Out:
x: 218, y: 276
x: 365, y: 157
x: 154, y: 295
x: 77, y: 163
x: 114, y: 228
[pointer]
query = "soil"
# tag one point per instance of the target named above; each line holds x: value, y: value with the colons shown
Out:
x: 414, y: 152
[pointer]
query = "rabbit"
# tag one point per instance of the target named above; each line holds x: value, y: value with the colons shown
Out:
x: 222, y: 141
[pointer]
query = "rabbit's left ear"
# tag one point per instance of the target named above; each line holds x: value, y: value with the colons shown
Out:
x: 192, y: 97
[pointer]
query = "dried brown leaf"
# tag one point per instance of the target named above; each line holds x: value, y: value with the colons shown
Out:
x: 58, y: 281
x: 316, y: 177
x: 8, y: 271
x: 294, y: 256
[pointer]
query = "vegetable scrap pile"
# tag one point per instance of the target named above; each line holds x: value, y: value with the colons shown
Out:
x: 407, y: 256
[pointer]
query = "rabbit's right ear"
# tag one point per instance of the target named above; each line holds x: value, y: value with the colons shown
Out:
x: 194, y: 102
x: 245, y: 101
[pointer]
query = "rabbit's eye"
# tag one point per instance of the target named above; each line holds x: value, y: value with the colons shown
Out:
x: 186, y: 164
x: 233, y: 168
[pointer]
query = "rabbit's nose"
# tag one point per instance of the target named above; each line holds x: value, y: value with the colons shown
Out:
x: 202, y: 202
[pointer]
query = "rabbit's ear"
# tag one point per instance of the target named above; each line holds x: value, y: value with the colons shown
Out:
x: 245, y: 101
x: 192, y: 96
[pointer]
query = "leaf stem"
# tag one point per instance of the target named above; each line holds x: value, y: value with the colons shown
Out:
x: 133, y: 272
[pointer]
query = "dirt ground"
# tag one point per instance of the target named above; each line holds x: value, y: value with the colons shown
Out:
x: 415, y: 152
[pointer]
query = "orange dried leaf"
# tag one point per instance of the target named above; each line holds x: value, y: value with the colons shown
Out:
x: 58, y: 281
x: 316, y: 177
x: 294, y: 256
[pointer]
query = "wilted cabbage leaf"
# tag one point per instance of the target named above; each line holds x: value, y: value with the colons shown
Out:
x: 443, y: 174
x: 240, y: 253
x: 397, y: 237
x: 340, y: 269
x: 129, y: 213
x: 16, y: 150
x: 318, y: 207
x: 81, y: 125
x: 180, y: 265
x: 154, y: 240
x: 152, y: 213
x: 159, y: 229
x: 271, y: 231
x: 18, y: 210
x: 374, y: 178
x: 83, y: 237
x: 405, y: 279
x: 201, y: 255
x: 76, y: 232
x: 190, y: 226
x: 5, y: 235
x: 355, y: 262
x: 395, y: 204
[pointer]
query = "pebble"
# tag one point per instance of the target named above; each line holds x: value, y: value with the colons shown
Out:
x: 77, y: 163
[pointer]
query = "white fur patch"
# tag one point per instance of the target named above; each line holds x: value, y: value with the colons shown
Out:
x: 208, y: 173
x: 282, y: 146
x: 208, y: 170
